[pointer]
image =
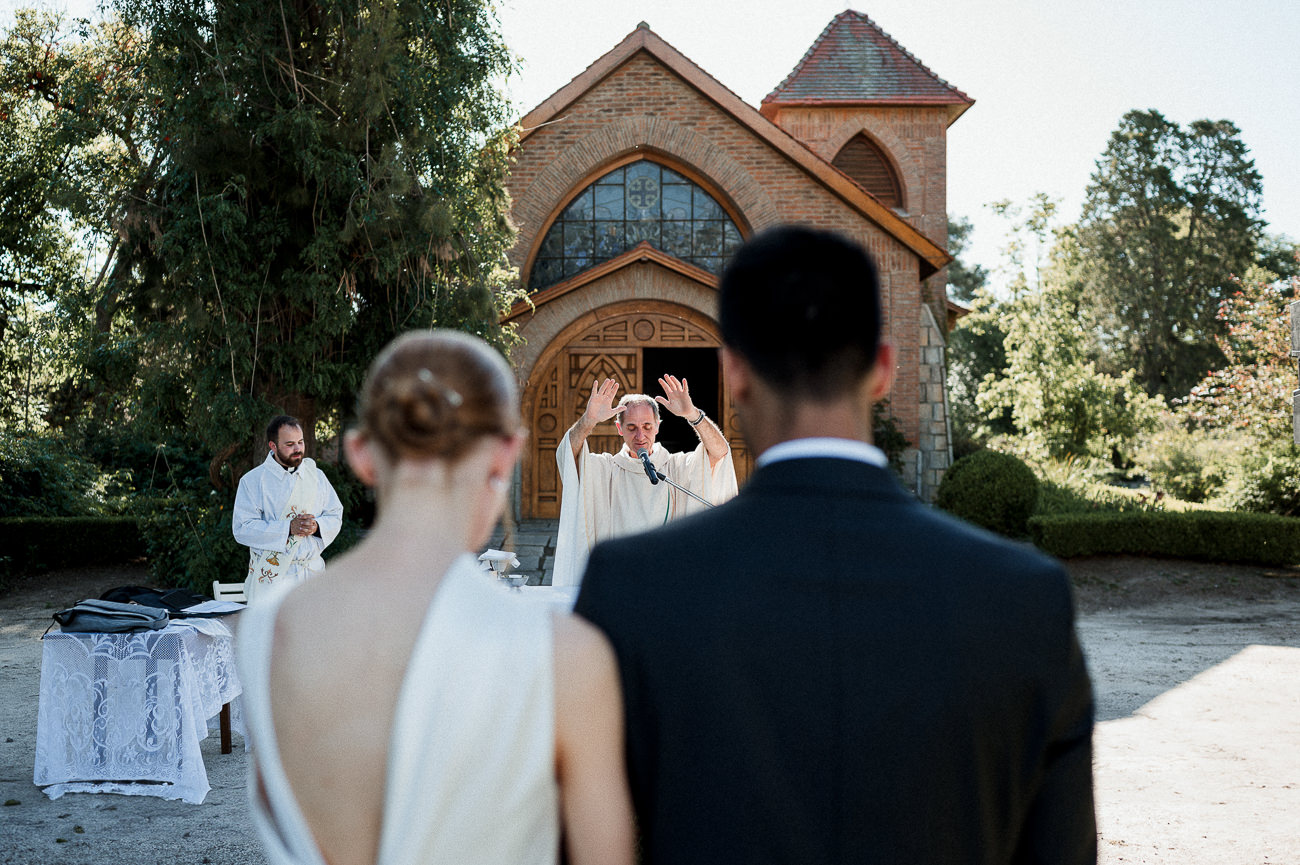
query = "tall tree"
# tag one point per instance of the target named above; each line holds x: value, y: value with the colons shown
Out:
x: 330, y: 173
x: 1169, y: 215
x: 963, y: 280
x: 75, y: 164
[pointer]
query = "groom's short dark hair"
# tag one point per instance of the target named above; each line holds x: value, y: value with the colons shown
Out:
x: 802, y: 306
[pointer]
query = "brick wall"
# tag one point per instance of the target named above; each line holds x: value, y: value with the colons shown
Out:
x: 643, y: 107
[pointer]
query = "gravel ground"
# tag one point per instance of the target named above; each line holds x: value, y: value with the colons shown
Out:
x: 1196, y: 669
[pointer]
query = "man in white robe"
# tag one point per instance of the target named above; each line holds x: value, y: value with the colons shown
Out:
x: 286, y: 512
x: 608, y: 495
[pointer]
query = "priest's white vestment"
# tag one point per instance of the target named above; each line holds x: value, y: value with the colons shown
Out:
x: 607, y: 495
x: 269, y: 497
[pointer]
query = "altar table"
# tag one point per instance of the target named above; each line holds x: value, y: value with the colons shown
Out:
x: 124, y: 713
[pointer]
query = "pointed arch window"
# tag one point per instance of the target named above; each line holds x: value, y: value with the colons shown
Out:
x: 641, y: 201
x: 864, y: 161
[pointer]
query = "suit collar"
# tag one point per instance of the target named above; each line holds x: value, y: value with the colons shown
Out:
x: 815, y: 475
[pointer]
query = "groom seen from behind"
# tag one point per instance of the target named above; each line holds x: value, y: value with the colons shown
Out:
x: 825, y: 670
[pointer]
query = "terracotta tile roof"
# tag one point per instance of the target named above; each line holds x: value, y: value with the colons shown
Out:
x: 853, y: 61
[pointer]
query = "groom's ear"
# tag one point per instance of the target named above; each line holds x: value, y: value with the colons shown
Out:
x: 737, y: 374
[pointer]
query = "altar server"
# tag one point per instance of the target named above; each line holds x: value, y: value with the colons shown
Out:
x: 286, y: 512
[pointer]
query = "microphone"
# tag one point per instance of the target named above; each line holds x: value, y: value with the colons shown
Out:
x: 649, y: 468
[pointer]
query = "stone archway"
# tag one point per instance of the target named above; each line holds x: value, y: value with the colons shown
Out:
x: 607, y: 342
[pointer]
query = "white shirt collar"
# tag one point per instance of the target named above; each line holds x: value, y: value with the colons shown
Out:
x: 270, y: 458
x: 847, y: 449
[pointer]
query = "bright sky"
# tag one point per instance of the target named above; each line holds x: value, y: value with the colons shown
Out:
x: 1050, y: 80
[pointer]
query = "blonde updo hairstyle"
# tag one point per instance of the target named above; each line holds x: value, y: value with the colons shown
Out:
x: 434, y: 394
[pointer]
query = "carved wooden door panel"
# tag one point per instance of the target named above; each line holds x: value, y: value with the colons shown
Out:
x: 566, y: 385
x: 609, y: 347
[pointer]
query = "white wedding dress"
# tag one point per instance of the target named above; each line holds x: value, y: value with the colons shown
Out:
x: 471, y: 777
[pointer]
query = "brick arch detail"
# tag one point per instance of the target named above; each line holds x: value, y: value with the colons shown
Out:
x: 574, y: 312
x: 560, y: 179
x: 894, y: 148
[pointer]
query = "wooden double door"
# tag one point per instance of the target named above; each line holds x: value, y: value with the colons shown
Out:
x: 634, y: 344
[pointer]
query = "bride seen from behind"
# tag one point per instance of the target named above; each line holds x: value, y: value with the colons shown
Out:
x: 402, y: 707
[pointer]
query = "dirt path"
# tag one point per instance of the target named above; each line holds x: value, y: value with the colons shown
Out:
x: 1196, y: 670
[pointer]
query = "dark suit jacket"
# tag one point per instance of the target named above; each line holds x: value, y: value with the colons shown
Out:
x: 824, y: 670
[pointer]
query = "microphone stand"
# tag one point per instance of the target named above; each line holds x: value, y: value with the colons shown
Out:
x: 672, y: 483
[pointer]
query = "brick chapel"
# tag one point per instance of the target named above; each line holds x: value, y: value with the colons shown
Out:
x: 635, y: 181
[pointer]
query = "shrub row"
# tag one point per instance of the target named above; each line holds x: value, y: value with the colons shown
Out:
x: 41, y: 543
x: 1212, y: 536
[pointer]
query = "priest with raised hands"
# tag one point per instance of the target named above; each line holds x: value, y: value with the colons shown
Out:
x: 608, y: 495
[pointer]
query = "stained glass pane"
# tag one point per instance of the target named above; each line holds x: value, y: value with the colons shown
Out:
x: 547, y: 271
x: 614, y: 178
x: 580, y: 208
x: 609, y: 202
x: 553, y: 245
x: 670, y: 176
x: 643, y: 197
x: 708, y: 238
x: 705, y: 206
x: 677, y: 201
x: 730, y: 237
x: 677, y: 238
x: 639, y: 231
x: 644, y: 168
x: 609, y: 239
x: 577, y: 240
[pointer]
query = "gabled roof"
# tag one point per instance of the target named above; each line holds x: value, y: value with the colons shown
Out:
x: 643, y: 39
x: 854, y: 62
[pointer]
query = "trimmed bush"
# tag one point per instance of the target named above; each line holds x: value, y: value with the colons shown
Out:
x: 1210, y: 536
x: 1270, y: 485
x: 990, y: 489
x: 33, y: 544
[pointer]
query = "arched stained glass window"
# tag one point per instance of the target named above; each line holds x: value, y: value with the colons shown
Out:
x: 636, y: 202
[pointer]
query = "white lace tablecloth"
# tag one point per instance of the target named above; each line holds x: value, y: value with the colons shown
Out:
x: 124, y: 713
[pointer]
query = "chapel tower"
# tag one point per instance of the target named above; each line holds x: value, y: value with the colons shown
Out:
x: 862, y: 102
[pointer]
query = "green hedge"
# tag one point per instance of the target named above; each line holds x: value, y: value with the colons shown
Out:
x: 1212, y: 536
x: 40, y: 543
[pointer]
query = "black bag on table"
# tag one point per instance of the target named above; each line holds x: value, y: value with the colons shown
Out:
x: 109, y: 617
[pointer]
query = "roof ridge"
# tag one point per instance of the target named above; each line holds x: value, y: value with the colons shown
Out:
x: 908, y: 54
x: 866, y: 19
x: 807, y: 54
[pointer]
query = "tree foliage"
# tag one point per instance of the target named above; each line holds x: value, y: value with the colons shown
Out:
x: 1169, y: 215
x: 1251, y: 392
x: 964, y: 280
x: 282, y: 189
x: 1052, y: 389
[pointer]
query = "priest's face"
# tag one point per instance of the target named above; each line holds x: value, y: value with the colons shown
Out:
x: 638, y: 426
x: 288, y: 447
